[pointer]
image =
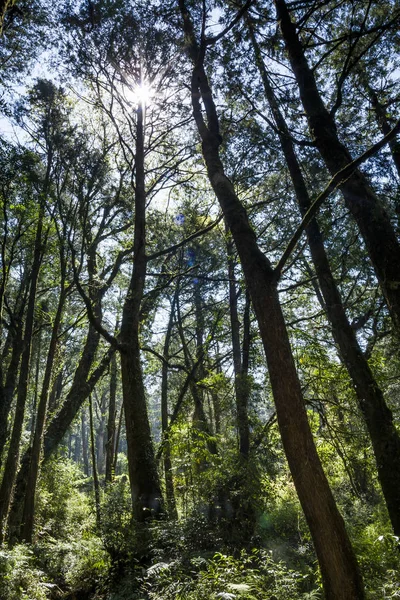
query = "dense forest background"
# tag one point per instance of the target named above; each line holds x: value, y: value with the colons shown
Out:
x: 200, y: 300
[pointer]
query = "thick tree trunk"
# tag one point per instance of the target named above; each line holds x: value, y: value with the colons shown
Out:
x: 341, y: 577
x: 145, y: 488
x: 143, y: 475
x: 56, y: 391
x: 372, y: 220
x: 378, y: 417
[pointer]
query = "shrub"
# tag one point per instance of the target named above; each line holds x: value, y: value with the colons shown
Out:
x: 20, y: 577
x: 251, y: 576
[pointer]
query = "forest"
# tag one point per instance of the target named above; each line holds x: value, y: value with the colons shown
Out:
x: 200, y: 300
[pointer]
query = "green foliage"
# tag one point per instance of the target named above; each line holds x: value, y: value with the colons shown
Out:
x: 20, y: 576
x: 79, y: 566
x: 63, y: 510
x: 117, y: 531
x: 250, y: 576
x: 88, y: 565
x: 376, y: 547
x: 70, y: 555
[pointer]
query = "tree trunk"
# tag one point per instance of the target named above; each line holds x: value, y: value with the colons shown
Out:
x: 169, y: 483
x: 111, y: 422
x: 85, y: 445
x: 377, y: 416
x: 7, y: 392
x: 36, y: 358
x: 341, y: 577
x: 200, y: 420
x: 143, y: 475
x: 101, y: 433
x: 29, y: 505
x: 384, y: 125
x: 196, y: 369
x: 383, y: 122
x: 82, y: 386
x: 94, y: 466
x: 12, y: 463
x: 118, y: 436
x: 372, y: 220
x: 241, y: 381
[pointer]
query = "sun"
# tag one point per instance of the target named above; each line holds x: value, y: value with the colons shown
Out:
x: 139, y: 94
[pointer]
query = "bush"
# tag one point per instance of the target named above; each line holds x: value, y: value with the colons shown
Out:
x: 63, y: 511
x: 251, y: 576
x: 20, y: 577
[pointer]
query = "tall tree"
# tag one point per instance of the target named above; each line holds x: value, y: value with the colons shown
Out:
x: 377, y: 415
x: 337, y: 561
x: 145, y: 485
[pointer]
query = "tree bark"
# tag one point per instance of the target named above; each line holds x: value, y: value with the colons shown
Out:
x: 200, y: 421
x: 7, y: 392
x: 143, y: 475
x: 383, y: 122
x: 377, y: 416
x: 374, y: 224
x: 81, y: 387
x: 341, y: 577
x: 169, y: 483
x: 94, y: 466
x: 85, y: 448
x: 110, y: 444
x: 384, y: 125
x: 118, y: 436
x: 56, y: 390
x: 196, y: 370
x: 101, y: 432
x: 240, y: 370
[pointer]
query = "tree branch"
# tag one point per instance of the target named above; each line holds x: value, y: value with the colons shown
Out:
x: 221, y: 34
x: 337, y: 180
x: 194, y: 235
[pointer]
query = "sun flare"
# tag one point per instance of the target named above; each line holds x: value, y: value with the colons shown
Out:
x: 139, y: 94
